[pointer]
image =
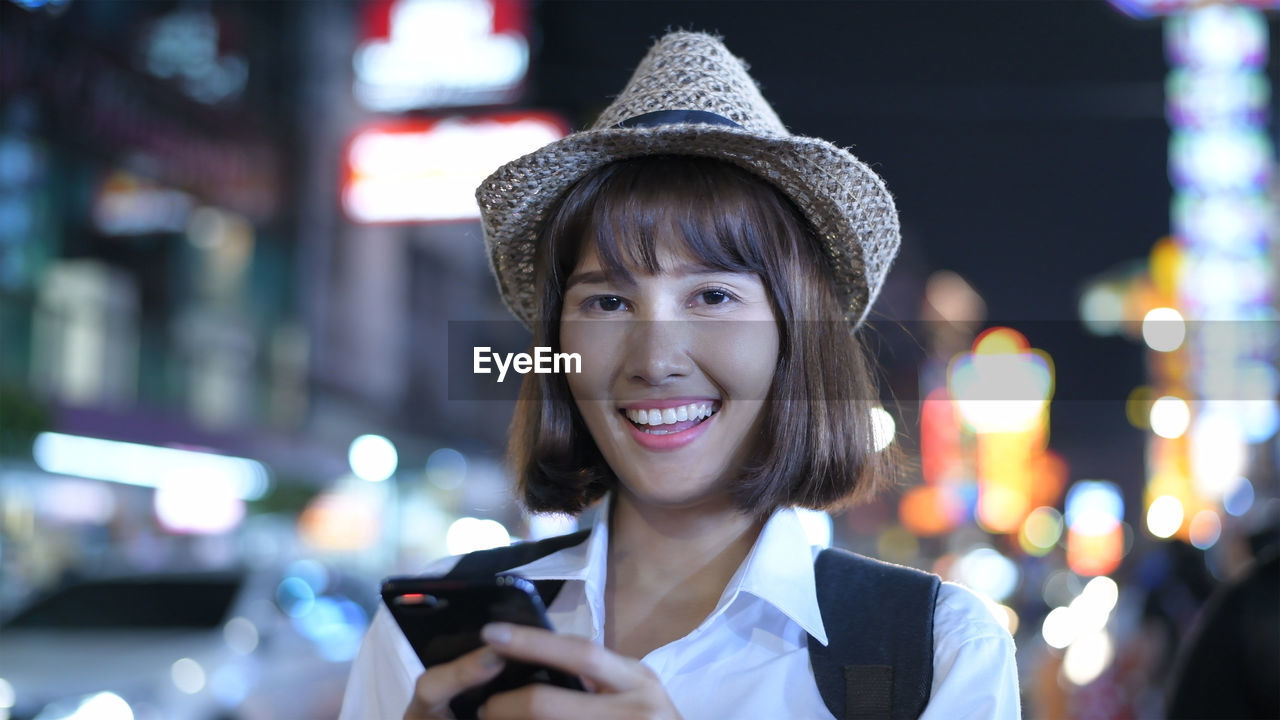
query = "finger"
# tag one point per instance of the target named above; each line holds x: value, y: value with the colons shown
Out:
x: 440, y: 683
x: 539, y: 701
x: 609, y: 671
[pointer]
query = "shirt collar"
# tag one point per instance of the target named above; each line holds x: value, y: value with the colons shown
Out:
x: 773, y: 570
x: 779, y: 570
x: 585, y: 561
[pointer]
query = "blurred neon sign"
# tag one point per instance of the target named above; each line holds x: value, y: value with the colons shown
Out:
x: 427, y: 170
x: 126, y: 204
x: 149, y: 465
x: 441, y: 53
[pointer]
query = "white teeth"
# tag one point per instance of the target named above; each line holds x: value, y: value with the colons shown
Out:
x: 669, y: 416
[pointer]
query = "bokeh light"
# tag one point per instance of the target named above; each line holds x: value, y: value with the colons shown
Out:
x: 187, y: 676
x: 1137, y: 407
x: 241, y: 635
x: 1170, y: 416
x: 1000, y: 341
x: 1100, y: 595
x: 1094, y: 507
x: 1009, y: 618
x: 197, y: 507
x: 99, y: 706
x: 1163, y: 329
x: 373, y: 458
x: 1001, y: 509
x: 1218, y: 453
x: 1102, y: 308
x: 1058, y: 628
x: 1003, y: 385
x: 883, y: 428
x: 1061, y: 587
x: 1041, y: 531
x: 469, y: 534
x: 1239, y: 498
x: 295, y: 596
x: 1221, y: 37
x: 930, y: 510
x: 1206, y: 528
x: 1095, y: 536
x: 446, y: 468
x: 1164, y: 516
x: 1095, y: 554
x: 988, y: 572
x: 1088, y: 657
x: 545, y: 525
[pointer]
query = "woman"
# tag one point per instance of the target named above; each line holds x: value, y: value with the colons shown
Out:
x: 709, y: 268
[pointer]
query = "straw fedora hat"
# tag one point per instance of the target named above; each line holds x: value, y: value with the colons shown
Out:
x: 691, y: 96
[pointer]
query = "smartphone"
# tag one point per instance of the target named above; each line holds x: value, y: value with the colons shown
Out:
x: 442, y: 617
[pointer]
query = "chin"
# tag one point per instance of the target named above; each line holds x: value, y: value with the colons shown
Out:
x: 671, y: 496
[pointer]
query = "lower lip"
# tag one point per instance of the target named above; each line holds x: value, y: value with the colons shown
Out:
x: 670, y: 441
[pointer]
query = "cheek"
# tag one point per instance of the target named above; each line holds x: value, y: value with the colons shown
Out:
x: 592, y: 343
x: 745, y: 357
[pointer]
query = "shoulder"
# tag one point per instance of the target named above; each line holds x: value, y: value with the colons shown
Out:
x: 441, y: 566
x: 960, y: 615
x: 506, y: 557
x: 503, y: 557
x: 974, y: 671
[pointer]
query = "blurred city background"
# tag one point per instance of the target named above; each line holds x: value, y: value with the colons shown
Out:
x: 238, y: 248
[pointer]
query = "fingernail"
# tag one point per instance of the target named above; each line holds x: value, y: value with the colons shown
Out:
x: 490, y: 660
x: 496, y: 633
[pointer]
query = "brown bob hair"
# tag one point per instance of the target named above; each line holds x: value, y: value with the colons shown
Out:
x: 817, y: 448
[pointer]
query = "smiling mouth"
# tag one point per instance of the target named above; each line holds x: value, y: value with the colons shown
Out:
x: 667, y: 421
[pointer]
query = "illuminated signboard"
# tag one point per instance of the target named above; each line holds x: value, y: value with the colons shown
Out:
x: 441, y: 53
x: 428, y: 170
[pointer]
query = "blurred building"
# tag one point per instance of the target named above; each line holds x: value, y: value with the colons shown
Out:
x: 246, y: 230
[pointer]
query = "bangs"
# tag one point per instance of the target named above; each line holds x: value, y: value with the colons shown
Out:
x: 716, y: 214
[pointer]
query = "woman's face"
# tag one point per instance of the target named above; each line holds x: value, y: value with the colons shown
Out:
x: 676, y: 367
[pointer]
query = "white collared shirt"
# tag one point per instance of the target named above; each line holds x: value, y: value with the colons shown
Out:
x: 748, y: 660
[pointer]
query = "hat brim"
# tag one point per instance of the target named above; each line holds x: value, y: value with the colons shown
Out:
x: 847, y: 204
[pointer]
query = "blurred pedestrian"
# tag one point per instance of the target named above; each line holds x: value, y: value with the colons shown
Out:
x: 1230, y: 665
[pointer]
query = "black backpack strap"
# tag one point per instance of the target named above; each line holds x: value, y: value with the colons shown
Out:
x: 878, y: 663
x: 486, y: 563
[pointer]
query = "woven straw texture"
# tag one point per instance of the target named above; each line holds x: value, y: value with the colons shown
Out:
x: 846, y: 202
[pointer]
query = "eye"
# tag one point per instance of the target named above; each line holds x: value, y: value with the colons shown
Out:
x: 605, y: 303
x: 715, y: 296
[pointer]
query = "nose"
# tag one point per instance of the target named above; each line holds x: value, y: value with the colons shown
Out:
x: 657, y: 351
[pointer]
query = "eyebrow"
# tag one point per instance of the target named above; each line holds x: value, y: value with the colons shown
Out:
x: 600, y: 276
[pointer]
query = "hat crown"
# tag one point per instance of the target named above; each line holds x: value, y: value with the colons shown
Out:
x: 693, y: 71
x: 691, y: 96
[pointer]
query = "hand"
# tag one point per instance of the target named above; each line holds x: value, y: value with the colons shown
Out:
x: 437, y: 686
x: 623, y: 688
